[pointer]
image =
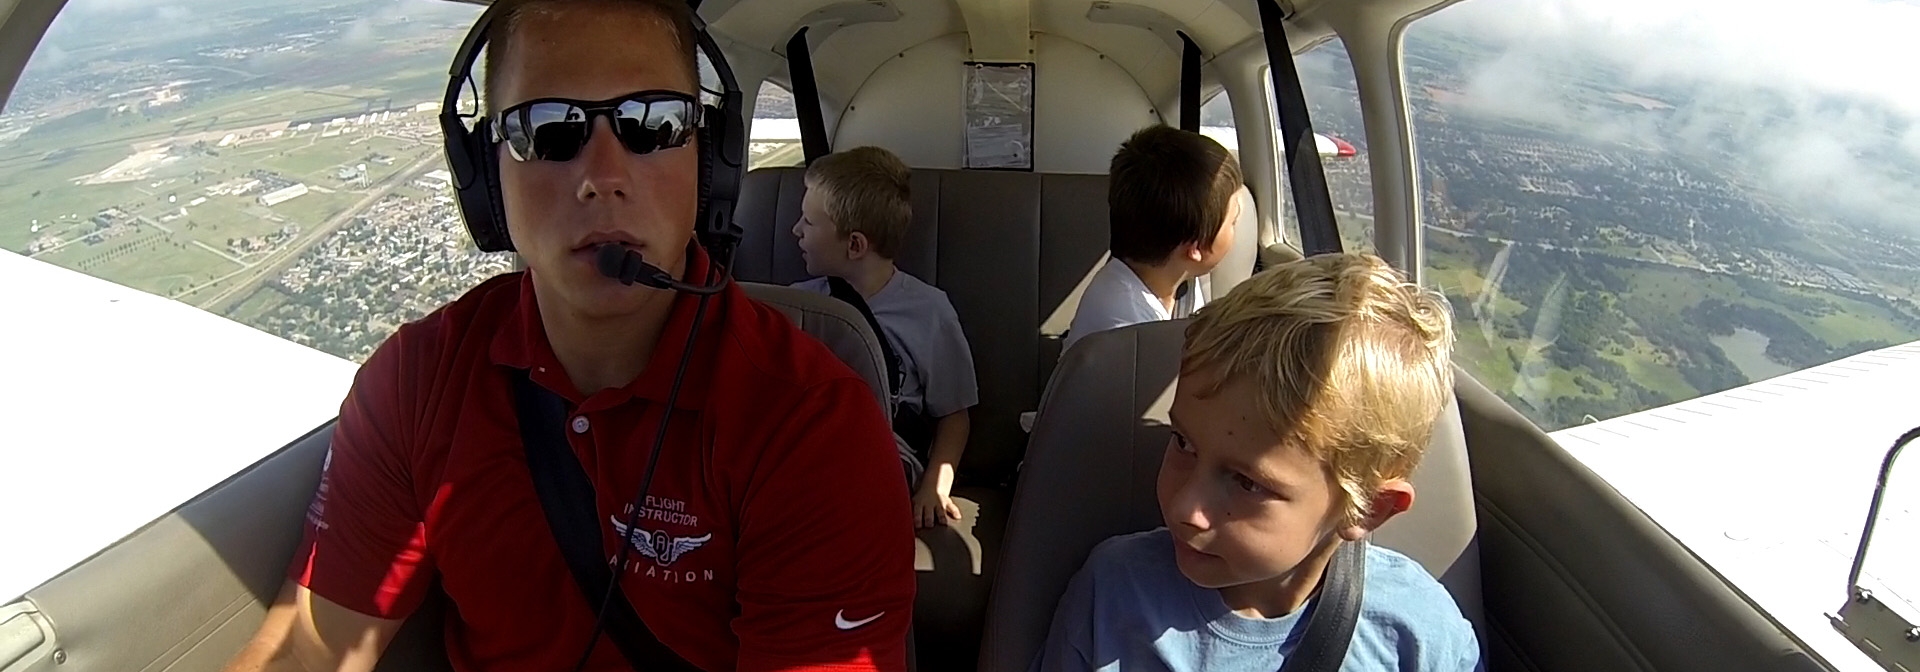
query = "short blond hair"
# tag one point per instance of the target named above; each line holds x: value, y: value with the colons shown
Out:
x: 867, y: 191
x: 1351, y: 362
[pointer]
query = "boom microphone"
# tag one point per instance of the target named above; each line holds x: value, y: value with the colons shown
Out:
x: 627, y: 266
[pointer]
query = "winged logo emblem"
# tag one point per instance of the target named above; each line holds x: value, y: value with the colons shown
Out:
x: 662, y: 547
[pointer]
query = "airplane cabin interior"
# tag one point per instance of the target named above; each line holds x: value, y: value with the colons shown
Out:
x: 1557, y: 570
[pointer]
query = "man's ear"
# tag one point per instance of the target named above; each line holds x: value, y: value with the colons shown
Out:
x: 1393, y: 498
x: 1192, y: 252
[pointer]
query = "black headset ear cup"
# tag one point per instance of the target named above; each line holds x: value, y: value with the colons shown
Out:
x: 474, y: 160
x: 490, y: 171
x: 708, y: 151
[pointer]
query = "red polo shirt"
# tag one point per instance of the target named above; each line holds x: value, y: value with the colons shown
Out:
x: 778, y: 482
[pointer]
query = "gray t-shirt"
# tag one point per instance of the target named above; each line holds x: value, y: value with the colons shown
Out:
x: 923, y: 329
x: 1129, y: 609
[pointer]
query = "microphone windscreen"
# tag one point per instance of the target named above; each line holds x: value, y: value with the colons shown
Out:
x: 610, y: 257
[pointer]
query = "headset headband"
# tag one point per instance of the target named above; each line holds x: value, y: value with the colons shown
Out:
x: 474, y: 159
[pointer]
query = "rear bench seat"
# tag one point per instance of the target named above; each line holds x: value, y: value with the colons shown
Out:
x: 1010, y: 250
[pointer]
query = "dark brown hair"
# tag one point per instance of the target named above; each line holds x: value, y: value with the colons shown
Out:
x: 1166, y: 188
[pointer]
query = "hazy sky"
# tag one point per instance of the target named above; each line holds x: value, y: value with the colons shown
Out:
x: 1821, y: 99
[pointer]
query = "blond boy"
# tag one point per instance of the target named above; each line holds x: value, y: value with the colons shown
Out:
x: 1305, y: 399
x: 854, y: 219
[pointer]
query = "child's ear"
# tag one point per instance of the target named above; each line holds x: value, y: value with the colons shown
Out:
x: 1393, y: 498
x: 1193, y: 252
x: 857, y: 245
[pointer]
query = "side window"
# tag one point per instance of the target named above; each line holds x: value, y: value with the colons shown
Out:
x: 1615, y: 237
x: 284, y: 171
x: 1333, y: 102
x: 774, y: 134
x: 1216, y: 121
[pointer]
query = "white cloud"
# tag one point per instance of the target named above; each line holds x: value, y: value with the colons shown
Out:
x: 1819, y: 100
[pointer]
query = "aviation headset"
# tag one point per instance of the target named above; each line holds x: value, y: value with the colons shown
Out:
x: 473, y: 155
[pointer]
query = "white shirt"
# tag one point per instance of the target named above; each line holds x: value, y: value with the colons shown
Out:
x: 1116, y: 298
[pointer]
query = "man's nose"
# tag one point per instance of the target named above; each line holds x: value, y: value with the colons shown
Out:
x: 604, y: 167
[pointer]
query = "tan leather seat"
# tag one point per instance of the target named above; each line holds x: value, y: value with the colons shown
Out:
x: 841, y: 327
x: 1012, y: 251
x: 1090, y: 470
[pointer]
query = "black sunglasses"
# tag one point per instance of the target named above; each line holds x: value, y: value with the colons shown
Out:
x: 555, y: 129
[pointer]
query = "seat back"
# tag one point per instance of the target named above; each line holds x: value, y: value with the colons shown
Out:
x: 1090, y: 472
x: 1012, y: 251
x: 840, y: 326
x: 1007, y: 248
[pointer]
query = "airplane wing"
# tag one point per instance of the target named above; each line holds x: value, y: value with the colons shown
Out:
x: 190, y: 398
x: 1769, y: 483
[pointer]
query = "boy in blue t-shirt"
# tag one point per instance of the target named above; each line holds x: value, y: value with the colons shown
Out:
x: 853, y: 221
x: 1306, y: 397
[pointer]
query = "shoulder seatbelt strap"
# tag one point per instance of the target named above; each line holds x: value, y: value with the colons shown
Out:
x: 806, y: 97
x: 912, y: 430
x: 844, y: 291
x: 1335, y: 613
x: 566, y: 495
x: 1189, y: 83
x: 1319, y: 233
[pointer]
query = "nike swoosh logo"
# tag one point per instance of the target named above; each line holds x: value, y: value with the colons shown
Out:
x: 840, y: 620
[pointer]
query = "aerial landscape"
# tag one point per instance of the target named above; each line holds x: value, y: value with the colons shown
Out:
x: 1608, y: 246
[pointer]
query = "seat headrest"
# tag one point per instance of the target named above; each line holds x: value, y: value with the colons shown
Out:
x: 1090, y: 474
x: 842, y: 328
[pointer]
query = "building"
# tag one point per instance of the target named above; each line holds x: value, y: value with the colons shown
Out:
x: 281, y: 196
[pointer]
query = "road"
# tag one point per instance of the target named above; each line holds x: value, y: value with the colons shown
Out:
x: 278, y: 260
x: 223, y: 254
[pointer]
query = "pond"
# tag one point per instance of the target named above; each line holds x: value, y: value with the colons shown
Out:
x: 1748, y: 350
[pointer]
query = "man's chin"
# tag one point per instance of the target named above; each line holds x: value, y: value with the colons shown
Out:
x: 592, y: 295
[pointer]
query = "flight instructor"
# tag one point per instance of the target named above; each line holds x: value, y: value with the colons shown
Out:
x: 774, y: 533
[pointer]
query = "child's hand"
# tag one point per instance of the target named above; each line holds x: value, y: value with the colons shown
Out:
x: 932, y: 507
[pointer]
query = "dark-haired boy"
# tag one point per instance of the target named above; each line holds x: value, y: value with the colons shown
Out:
x: 1172, y: 201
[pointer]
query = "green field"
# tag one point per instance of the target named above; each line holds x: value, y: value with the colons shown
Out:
x: 257, y: 305
x: 1498, y: 345
x: 155, y: 262
x: 1651, y: 368
x: 312, y: 209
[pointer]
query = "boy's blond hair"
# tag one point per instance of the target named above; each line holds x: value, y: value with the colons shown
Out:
x: 1351, y: 362
x: 867, y: 191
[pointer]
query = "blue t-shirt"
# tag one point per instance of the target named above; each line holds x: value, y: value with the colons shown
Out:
x: 1129, y: 608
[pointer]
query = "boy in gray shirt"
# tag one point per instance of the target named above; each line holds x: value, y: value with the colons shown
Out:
x: 853, y: 220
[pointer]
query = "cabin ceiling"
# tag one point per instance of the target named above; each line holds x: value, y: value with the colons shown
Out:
x: 851, y: 38
x: 1137, y: 35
